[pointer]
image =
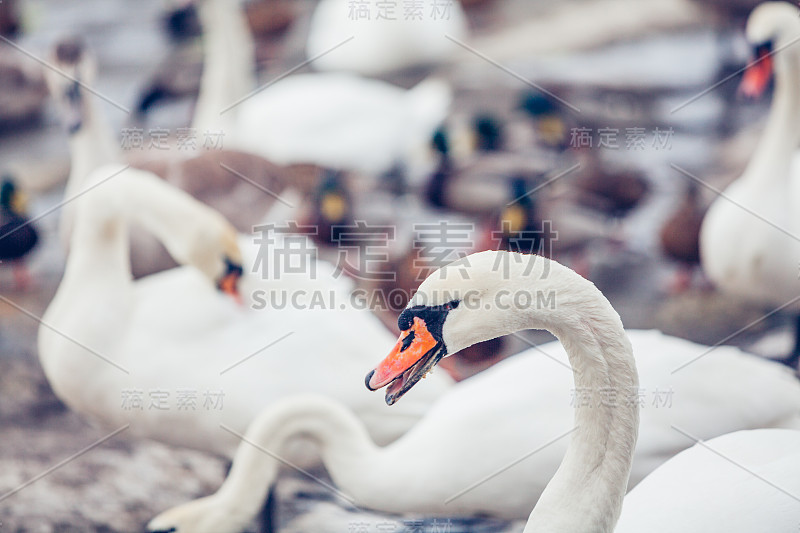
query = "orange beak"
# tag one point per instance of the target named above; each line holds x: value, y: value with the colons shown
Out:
x: 758, y: 74
x: 229, y: 284
x: 415, y: 353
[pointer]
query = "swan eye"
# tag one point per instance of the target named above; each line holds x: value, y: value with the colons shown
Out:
x: 449, y: 306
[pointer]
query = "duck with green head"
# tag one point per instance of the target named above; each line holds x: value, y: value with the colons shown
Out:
x: 17, y: 234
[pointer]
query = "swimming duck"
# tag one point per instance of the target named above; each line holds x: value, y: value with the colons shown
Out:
x: 265, y: 18
x: 9, y: 18
x: 332, y: 209
x: 180, y: 74
x: 549, y: 122
x: 475, y: 183
x: 680, y: 235
x: 520, y: 226
x: 18, y: 236
x: 23, y: 92
x: 614, y: 192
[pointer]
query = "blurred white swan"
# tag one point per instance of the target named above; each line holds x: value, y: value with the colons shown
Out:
x: 750, y: 237
x: 242, y: 186
x: 372, y: 40
x: 334, y: 120
x: 125, y: 352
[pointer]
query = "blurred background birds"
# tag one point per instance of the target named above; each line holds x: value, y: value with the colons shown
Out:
x: 18, y: 236
x: 355, y: 147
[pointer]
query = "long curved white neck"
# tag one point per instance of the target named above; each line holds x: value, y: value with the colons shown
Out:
x: 228, y: 70
x: 347, y: 452
x: 586, y: 493
x: 773, y: 156
x: 92, y: 146
x: 99, y: 246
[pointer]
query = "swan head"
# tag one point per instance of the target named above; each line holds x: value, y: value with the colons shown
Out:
x: 207, y: 241
x: 771, y: 27
x: 204, y: 515
x: 75, y: 68
x: 224, y: 263
x: 477, y: 298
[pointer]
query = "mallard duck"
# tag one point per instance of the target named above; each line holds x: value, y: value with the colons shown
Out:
x: 680, y: 235
x: 474, y: 185
x: 550, y: 125
x: 469, y: 4
x: 9, y: 18
x: 332, y: 210
x: 520, y: 227
x: 179, y: 75
x: 266, y: 18
x: 614, y: 192
x: 548, y: 222
x: 738, y: 9
x: 18, y: 236
x: 23, y: 92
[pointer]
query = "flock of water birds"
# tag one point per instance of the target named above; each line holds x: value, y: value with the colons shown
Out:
x: 160, y: 255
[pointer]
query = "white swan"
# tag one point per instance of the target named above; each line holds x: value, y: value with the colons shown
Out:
x: 474, y: 431
x: 241, y: 186
x: 115, y: 349
x: 91, y: 143
x: 750, y: 238
x: 334, y: 120
x: 383, y: 39
x: 704, y: 489
x: 585, y: 495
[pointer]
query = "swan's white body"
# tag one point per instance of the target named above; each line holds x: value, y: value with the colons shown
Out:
x: 477, y: 424
x: 342, y: 121
x: 705, y: 491
x: 91, y: 141
x: 174, y: 331
x: 750, y: 238
x: 335, y: 120
x: 388, y: 40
